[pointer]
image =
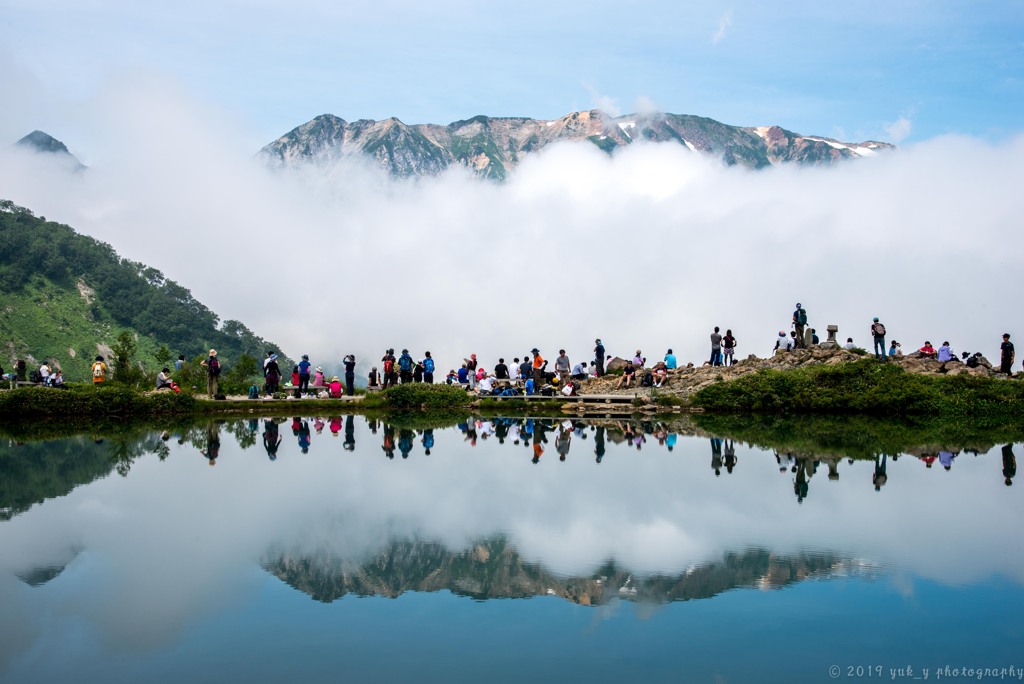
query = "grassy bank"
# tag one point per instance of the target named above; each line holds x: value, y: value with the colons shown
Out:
x: 864, y: 387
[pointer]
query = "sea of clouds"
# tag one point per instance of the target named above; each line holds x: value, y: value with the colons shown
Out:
x: 649, y: 248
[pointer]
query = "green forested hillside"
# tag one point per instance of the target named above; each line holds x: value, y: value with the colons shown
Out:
x: 66, y: 297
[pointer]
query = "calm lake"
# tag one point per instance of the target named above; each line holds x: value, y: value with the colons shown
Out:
x: 354, y: 550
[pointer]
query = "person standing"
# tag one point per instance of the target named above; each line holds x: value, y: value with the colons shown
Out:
x: 304, y: 366
x: 99, y: 370
x: 878, y: 335
x: 388, y: 363
x: 272, y: 373
x: 799, y: 321
x: 405, y: 364
x: 212, y: 373
x: 716, y: 348
x: 525, y: 369
x: 562, y: 366
x: 599, y: 357
x: 428, y: 369
x: 1006, y: 355
x: 538, y: 367
x: 350, y: 375
x: 728, y: 348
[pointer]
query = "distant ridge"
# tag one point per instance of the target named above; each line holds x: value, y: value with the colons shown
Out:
x: 44, y: 142
x: 491, y: 147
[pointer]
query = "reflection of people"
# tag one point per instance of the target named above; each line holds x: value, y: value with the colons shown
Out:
x: 428, y: 440
x: 350, y: 434
x: 716, y: 455
x: 599, y: 443
x: 562, y: 442
x: 946, y: 459
x: 730, y: 455
x: 405, y: 436
x: 879, y: 478
x: 304, y: 436
x: 389, y: 441
x: 271, y: 438
x: 800, y: 486
x: 212, y: 450
x: 1009, y: 464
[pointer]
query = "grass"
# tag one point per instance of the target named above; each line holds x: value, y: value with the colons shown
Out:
x: 863, y: 387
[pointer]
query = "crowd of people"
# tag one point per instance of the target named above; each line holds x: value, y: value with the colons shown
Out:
x: 528, y: 374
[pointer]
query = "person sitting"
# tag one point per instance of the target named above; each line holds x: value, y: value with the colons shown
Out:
x: 783, y: 344
x: 163, y: 379
x: 463, y: 375
x: 57, y: 379
x: 894, y: 349
x: 927, y: 351
x: 452, y: 377
x: 531, y: 386
x: 628, y: 376
x: 660, y: 373
x: 318, y: 378
x: 373, y: 379
x: 579, y: 371
x: 486, y: 384
x: 849, y: 344
x: 945, y: 353
x: 334, y: 388
x: 639, y: 360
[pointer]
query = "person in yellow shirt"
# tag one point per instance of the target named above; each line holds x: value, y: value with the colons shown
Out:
x: 99, y: 371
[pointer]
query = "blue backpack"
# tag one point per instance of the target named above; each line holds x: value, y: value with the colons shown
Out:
x: 428, y: 365
x: 254, y: 392
x: 405, y: 362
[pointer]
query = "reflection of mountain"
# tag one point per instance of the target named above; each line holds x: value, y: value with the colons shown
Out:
x: 33, y: 472
x: 493, y: 569
x: 41, y: 574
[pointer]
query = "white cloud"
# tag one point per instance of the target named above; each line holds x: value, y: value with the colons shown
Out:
x: 723, y: 27
x: 899, y: 130
x: 604, y: 103
x: 645, y: 105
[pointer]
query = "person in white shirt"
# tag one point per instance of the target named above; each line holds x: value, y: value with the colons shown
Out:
x: 849, y: 343
x: 44, y: 373
x: 486, y: 384
x: 784, y: 343
x: 513, y: 371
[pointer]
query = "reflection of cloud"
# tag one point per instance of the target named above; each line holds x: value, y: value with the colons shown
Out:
x: 723, y: 27
x: 154, y: 559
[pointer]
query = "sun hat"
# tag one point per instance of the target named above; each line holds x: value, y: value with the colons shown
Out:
x: 334, y: 378
x: 213, y: 352
x: 319, y: 369
x: 535, y: 351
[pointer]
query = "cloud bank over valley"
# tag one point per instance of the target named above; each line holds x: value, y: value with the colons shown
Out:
x: 649, y: 248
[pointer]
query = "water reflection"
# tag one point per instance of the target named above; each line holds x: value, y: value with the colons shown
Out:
x: 134, y: 533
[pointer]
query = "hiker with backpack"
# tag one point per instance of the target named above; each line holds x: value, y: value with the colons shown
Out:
x: 428, y: 368
x: 390, y: 373
x: 99, y: 370
x: 878, y: 335
x: 799, y: 321
x: 405, y: 364
x: 272, y: 373
x: 212, y: 372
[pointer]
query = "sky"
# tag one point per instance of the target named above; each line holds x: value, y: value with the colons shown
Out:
x: 649, y: 248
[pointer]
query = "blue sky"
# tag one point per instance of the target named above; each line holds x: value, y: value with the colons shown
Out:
x: 904, y: 71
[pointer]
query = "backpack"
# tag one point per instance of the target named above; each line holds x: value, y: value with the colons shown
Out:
x: 214, y: 366
x: 405, y: 363
x: 389, y: 366
x: 428, y: 365
x: 35, y: 376
x: 801, y: 316
x: 254, y: 392
x: 879, y: 329
x: 97, y: 370
x: 648, y: 380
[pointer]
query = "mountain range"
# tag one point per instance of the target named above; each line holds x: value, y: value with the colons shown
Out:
x: 492, y: 147
x: 46, y: 143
